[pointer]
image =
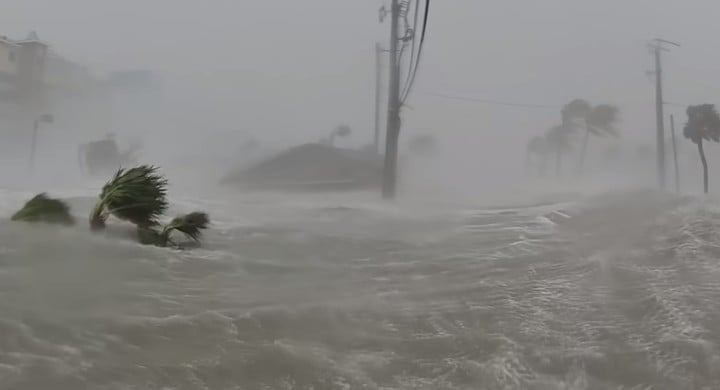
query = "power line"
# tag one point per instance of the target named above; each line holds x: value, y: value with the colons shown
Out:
x: 412, y: 33
x: 676, y: 104
x: 406, y: 93
x: 494, y: 102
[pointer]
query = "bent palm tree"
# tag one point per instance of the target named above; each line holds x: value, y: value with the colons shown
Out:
x: 137, y: 195
x: 341, y: 131
x: 42, y: 208
x: 191, y: 225
x: 557, y: 140
x: 703, y: 124
x: 599, y: 121
x: 574, y: 112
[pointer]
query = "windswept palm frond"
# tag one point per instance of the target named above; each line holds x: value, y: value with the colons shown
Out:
x: 137, y: 195
x: 573, y: 111
x: 703, y: 123
x: 191, y: 225
x: 342, y: 131
x: 601, y: 120
x: 42, y: 208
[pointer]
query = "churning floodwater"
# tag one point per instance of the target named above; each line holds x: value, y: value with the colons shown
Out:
x: 619, y: 291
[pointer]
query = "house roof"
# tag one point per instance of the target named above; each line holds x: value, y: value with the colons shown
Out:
x: 32, y: 38
x: 8, y: 41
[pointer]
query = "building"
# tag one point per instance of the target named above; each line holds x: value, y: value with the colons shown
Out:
x: 31, y: 73
x: 8, y: 68
x: 35, y: 80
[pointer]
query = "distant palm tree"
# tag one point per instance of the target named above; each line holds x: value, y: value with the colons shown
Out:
x: 703, y: 124
x: 341, y: 131
x: 557, y: 140
x: 599, y: 121
x: 575, y: 112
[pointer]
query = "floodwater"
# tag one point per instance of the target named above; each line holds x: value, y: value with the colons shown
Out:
x: 620, y: 291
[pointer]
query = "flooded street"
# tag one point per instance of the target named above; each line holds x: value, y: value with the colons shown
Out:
x: 612, y: 292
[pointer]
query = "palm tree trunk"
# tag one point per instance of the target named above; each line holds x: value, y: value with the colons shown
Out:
x: 704, y: 164
x: 584, y: 150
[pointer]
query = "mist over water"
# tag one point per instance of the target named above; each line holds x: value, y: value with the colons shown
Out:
x: 615, y: 291
x: 493, y: 268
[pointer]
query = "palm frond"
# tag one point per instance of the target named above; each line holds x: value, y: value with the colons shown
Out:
x: 137, y: 195
x: 703, y: 123
x: 576, y: 109
x: 42, y: 208
x: 191, y: 225
x: 601, y: 120
x: 342, y: 131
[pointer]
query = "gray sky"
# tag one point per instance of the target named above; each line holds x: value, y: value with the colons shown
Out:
x: 293, y: 69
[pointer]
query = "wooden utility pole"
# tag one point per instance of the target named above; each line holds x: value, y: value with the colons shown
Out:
x: 378, y: 86
x: 677, y: 169
x: 393, y: 117
x: 659, y: 117
x: 657, y: 47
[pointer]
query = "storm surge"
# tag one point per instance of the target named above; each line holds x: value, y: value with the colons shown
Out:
x: 611, y: 291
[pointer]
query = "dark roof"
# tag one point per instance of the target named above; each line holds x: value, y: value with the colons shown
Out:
x: 312, y: 165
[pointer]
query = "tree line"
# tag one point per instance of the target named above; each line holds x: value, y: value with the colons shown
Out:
x: 703, y: 124
x: 578, y: 116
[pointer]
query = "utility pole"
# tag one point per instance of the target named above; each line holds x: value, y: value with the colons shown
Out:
x: 677, y: 169
x: 378, y: 86
x: 393, y: 117
x: 657, y: 47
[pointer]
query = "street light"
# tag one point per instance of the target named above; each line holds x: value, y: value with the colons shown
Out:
x: 45, y: 118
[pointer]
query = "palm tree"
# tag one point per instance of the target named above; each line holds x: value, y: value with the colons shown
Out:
x: 341, y: 131
x: 42, y: 208
x: 574, y: 112
x: 137, y: 195
x: 557, y: 140
x: 703, y: 124
x: 191, y: 225
x: 599, y: 121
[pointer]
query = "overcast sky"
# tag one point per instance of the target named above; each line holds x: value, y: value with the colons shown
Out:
x: 293, y: 69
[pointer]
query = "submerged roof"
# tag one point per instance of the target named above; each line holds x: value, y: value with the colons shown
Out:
x: 312, y: 165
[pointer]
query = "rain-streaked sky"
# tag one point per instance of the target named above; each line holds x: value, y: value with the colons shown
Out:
x: 291, y: 70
